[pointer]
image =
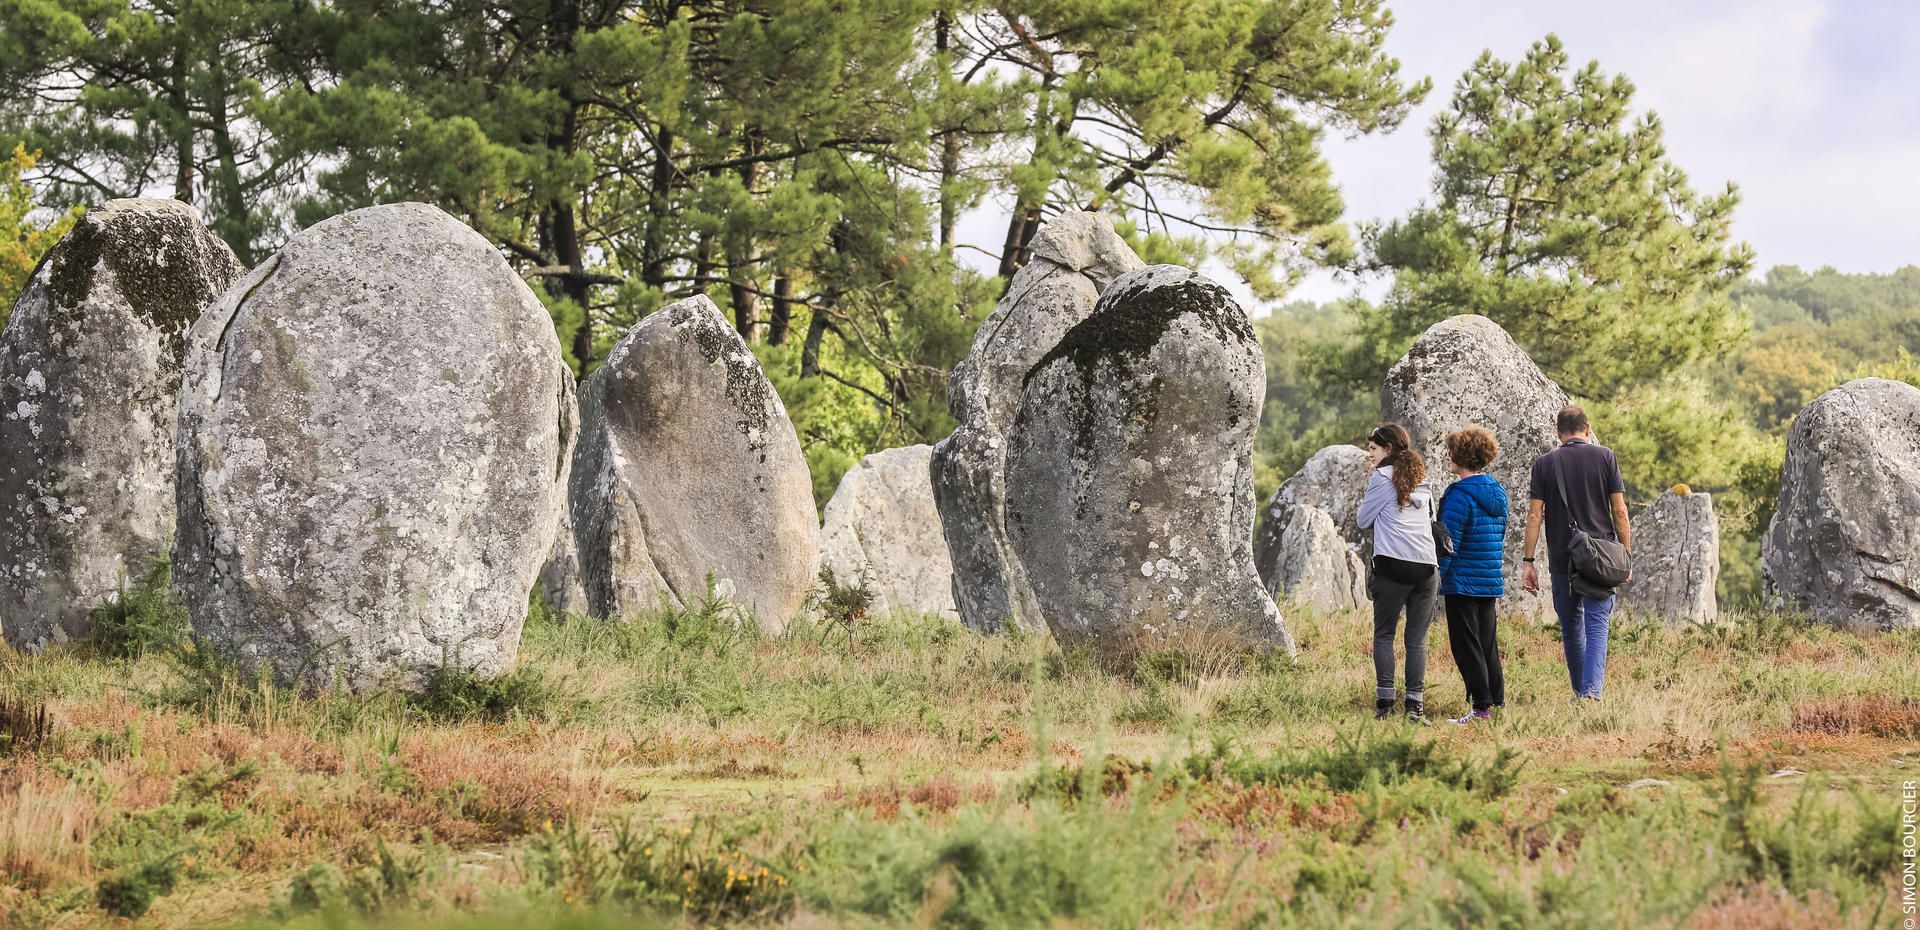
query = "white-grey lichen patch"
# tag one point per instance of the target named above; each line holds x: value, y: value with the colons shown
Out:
x: 89, y: 384
x: 688, y: 469
x: 882, y: 523
x: 1844, y: 545
x: 350, y: 515
x: 1129, y: 470
x: 1075, y: 256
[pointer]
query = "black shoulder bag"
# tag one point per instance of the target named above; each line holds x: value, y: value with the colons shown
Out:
x: 1442, y: 540
x: 1602, y: 564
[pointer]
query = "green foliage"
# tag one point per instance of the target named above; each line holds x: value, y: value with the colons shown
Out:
x: 455, y: 693
x: 1560, y: 217
x: 844, y: 604
x: 27, y: 228
x: 391, y: 879
x: 131, y: 894
x: 699, y: 872
x: 1363, y: 759
x: 137, y: 621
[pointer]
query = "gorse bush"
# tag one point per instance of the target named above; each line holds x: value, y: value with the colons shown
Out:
x: 695, y: 871
x: 139, y: 620
x: 454, y: 693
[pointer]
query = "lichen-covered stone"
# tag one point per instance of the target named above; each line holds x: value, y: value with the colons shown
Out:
x: 89, y: 391
x: 375, y: 429
x: 1129, y: 469
x: 881, y: 524
x: 1332, y: 481
x: 1310, y: 564
x: 1844, y: 544
x: 688, y: 468
x: 1676, y: 559
x: 559, y: 582
x: 1075, y: 256
x: 1466, y: 371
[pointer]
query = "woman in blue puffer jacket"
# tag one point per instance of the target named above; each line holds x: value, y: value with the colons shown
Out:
x: 1474, y: 511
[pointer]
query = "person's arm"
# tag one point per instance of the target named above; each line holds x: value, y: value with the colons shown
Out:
x: 1379, y: 495
x: 1454, y: 510
x: 1622, y: 527
x: 1536, y: 517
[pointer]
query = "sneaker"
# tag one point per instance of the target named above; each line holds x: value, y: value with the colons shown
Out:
x: 1382, y: 708
x: 1471, y: 716
x: 1417, y: 714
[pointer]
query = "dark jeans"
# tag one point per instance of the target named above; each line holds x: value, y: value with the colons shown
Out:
x: 1583, y: 634
x: 1417, y: 599
x: 1476, y: 649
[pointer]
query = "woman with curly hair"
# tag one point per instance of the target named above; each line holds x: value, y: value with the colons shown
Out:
x: 1398, y: 508
x: 1472, y: 579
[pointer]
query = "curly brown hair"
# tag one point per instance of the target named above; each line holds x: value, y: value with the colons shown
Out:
x: 1472, y: 448
x: 1409, y: 469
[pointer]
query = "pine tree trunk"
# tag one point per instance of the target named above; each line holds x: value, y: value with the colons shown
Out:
x: 782, y: 316
x: 746, y: 302
x: 183, y: 133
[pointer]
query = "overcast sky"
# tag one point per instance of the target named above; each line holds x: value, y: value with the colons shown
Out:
x: 1811, y: 106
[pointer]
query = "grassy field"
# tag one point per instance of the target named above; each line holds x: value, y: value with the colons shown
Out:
x: 678, y: 771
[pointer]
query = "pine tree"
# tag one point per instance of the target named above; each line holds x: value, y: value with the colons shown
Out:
x: 156, y: 97
x: 1559, y: 215
x: 27, y: 228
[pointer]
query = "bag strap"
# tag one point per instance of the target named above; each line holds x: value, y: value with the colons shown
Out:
x: 1560, y: 481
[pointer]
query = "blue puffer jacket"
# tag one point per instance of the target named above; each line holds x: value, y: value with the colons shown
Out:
x: 1474, y: 510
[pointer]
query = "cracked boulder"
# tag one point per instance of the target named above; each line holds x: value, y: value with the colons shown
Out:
x: 689, y: 471
x: 89, y: 391
x: 1129, y: 470
x: 1075, y: 257
x: 1295, y: 555
x: 881, y: 524
x: 1466, y: 371
x: 375, y: 429
x: 1309, y: 563
x: 1676, y: 559
x: 1843, y: 545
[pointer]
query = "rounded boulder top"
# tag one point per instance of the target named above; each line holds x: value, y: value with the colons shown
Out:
x: 375, y: 431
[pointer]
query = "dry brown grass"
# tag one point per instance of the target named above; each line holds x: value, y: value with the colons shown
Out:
x: 1871, y: 714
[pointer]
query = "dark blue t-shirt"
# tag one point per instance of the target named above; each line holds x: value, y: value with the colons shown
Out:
x: 1593, y: 476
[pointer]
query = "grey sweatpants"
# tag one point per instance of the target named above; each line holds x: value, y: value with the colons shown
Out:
x: 1389, y: 598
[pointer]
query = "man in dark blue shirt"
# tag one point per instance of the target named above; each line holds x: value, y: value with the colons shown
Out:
x: 1594, y: 500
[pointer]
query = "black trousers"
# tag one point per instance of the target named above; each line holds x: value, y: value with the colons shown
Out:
x: 1476, y: 649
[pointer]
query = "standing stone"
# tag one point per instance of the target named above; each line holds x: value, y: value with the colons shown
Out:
x: 882, y: 522
x: 559, y: 581
x: 1332, y: 482
x: 1844, y: 544
x: 688, y: 469
x: 1676, y: 559
x: 1466, y: 371
x: 1129, y: 469
x: 1309, y: 563
x: 89, y: 390
x: 374, y: 437
x: 1075, y: 257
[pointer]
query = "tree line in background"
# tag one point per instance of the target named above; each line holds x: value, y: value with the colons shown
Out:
x: 805, y: 163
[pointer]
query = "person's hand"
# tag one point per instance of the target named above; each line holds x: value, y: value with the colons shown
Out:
x: 1530, y: 578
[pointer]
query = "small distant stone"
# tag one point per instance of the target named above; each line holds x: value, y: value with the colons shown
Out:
x: 1786, y: 773
x: 1646, y: 783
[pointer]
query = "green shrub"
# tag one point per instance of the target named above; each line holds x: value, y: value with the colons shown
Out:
x: 139, y: 620
x: 454, y: 693
x: 131, y: 893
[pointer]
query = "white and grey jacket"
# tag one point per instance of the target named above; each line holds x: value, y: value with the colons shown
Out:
x: 1404, y: 533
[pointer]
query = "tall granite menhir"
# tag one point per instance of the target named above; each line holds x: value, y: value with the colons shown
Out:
x: 375, y: 429
x: 1466, y: 371
x: 1844, y: 544
x: 1075, y: 257
x: 89, y: 390
x: 1130, y: 470
x: 689, y: 470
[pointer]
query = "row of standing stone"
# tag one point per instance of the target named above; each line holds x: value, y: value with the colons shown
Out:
x: 368, y: 449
